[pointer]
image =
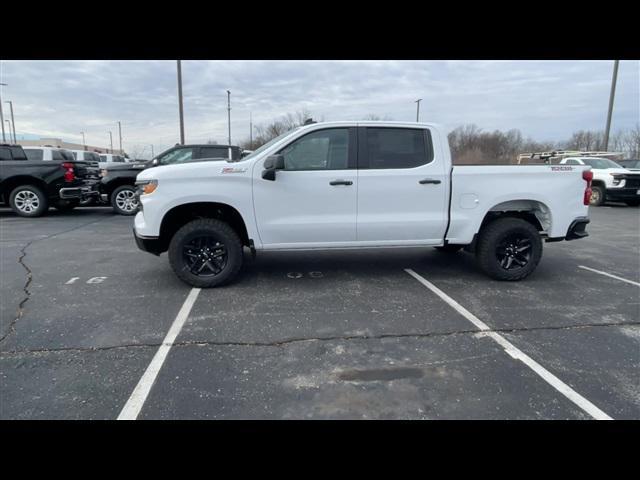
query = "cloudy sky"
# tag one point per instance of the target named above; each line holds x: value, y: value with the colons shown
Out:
x: 546, y: 100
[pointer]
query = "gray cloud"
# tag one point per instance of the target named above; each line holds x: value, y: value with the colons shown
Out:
x: 544, y: 99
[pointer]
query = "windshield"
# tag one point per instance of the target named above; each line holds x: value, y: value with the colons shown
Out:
x: 600, y: 163
x: 268, y: 144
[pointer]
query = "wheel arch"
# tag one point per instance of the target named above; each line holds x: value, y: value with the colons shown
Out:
x: 180, y: 215
x: 534, y: 211
x: 8, y: 185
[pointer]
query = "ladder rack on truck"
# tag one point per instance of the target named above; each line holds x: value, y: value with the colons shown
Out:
x: 555, y: 156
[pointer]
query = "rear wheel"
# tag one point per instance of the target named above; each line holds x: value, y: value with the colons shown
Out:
x: 28, y: 201
x: 509, y: 249
x: 597, y: 196
x: 124, y: 201
x: 206, y: 253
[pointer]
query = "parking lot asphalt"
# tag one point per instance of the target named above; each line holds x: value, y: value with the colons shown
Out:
x: 315, y: 335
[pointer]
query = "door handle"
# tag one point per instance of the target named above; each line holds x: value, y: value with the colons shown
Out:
x: 340, y: 182
x: 425, y: 181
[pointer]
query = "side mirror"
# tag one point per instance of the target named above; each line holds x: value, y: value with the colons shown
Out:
x: 154, y: 162
x: 271, y: 164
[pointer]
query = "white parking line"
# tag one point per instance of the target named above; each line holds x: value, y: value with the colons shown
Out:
x: 132, y: 408
x: 515, y: 353
x: 609, y: 275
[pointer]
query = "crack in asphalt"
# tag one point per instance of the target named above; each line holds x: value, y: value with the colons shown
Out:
x: 285, y: 342
x: 25, y: 288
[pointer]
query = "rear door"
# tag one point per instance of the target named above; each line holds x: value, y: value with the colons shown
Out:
x: 402, y: 187
x: 312, y: 202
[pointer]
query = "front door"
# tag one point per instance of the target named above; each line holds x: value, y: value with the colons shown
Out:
x: 312, y: 202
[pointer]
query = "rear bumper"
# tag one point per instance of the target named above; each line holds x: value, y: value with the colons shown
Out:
x: 577, y: 229
x: 80, y: 193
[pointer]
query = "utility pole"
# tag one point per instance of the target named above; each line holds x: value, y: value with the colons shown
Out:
x: 120, y: 133
x: 152, y: 155
x: 4, y: 138
x: 84, y: 144
x: 13, y: 122
x: 111, y: 140
x: 612, y: 95
x: 180, y: 102
x: 9, y: 123
x: 229, y: 120
x: 250, y: 131
x: 417, y: 102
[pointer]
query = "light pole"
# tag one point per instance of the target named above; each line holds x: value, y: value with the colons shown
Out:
x: 84, y: 144
x: 152, y: 155
x: 612, y: 95
x: 9, y: 129
x: 120, y: 134
x: 4, y: 138
x: 417, y: 102
x: 111, y: 141
x: 13, y: 122
x: 250, y: 131
x: 180, y: 102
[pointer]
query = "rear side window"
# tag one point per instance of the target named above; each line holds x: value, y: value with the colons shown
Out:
x: 34, y: 154
x: 572, y: 162
x: 398, y: 147
x: 103, y: 158
x: 18, y: 153
x: 56, y: 155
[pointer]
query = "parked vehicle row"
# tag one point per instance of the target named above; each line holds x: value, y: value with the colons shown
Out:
x: 29, y: 186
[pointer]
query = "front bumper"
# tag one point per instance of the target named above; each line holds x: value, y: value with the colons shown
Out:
x: 623, y: 193
x: 148, y: 244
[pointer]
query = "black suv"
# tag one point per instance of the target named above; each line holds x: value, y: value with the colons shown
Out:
x: 118, y: 185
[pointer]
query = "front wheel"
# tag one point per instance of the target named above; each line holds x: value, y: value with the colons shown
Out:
x: 28, y: 201
x: 206, y: 253
x: 124, y: 201
x: 597, y: 196
x: 509, y: 249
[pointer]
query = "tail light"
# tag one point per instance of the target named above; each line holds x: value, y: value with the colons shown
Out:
x: 587, y: 175
x: 69, y: 175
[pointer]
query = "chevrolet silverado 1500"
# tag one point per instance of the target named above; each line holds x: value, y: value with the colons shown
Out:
x: 340, y: 185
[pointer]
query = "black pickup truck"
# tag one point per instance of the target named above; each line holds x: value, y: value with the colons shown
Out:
x: 118, y: 185
x: 30, y: 186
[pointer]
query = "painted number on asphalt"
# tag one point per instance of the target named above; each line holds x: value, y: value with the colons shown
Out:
x: 300, y: 274
x: 90, y: 281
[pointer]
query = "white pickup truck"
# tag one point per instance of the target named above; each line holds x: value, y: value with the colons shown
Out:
x: 343, y: 185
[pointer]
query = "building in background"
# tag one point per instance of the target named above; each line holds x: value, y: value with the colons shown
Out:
x: 59, y: 143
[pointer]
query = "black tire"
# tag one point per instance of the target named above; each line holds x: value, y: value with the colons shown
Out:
x: 597, y: 196
x: 205, y: 234
x: 66, y: 205
x: 28, y: 201
x: 450, y: 248
x: 123, y: 200
x: 632, y: 203
x: 509, y: 249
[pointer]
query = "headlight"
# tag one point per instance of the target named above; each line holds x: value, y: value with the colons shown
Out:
x: 147, y: 186
x: 616, y: 178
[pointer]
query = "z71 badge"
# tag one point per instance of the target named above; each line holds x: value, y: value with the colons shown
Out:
x: 233, y: 169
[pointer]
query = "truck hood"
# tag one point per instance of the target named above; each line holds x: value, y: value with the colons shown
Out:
x: 190, y: 169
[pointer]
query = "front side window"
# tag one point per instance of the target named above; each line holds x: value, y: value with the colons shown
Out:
x: 103, y: 158
x: 34, y: 154
x: 214, y: 152
x: 178, y: 155
x: 322, y: 150
x: 398, y: 148
x: 5, y: 154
